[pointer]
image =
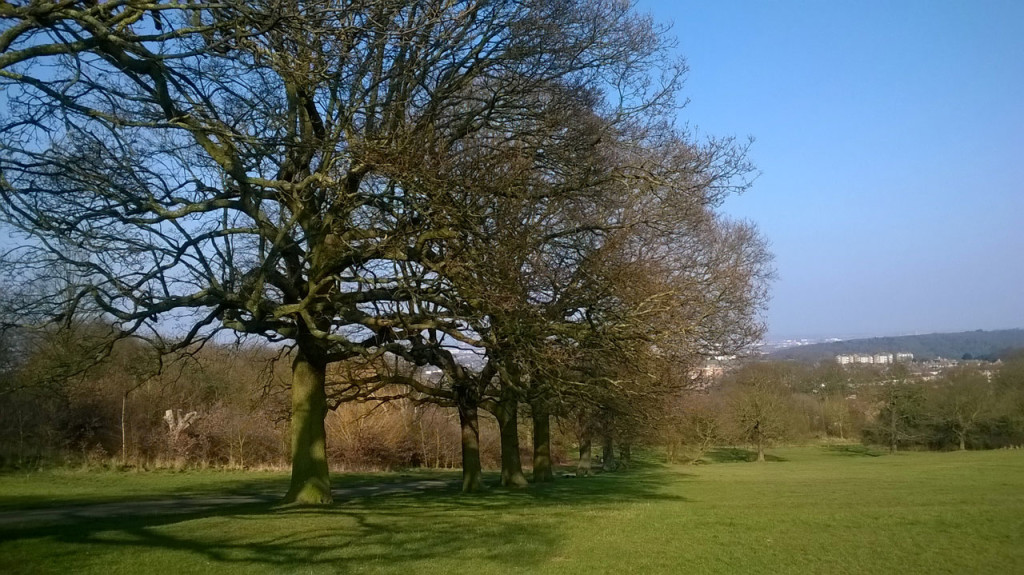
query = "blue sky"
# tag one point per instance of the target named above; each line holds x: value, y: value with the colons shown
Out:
x: 890, y: 137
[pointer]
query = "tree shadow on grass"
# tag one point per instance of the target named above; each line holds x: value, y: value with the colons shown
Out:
x: 269, y: 486
x: 853, y: 451
x: 737, y: 455
x: 509, y: 529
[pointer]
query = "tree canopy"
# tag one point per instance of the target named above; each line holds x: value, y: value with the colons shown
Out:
x: 360, y: 178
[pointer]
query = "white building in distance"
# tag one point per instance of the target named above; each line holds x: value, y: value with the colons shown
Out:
x: 883, y: 358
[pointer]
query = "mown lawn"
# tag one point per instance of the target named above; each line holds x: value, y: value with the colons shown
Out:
x: 813, y: 510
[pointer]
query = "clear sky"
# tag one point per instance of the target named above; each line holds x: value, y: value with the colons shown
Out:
x: 890, y: 139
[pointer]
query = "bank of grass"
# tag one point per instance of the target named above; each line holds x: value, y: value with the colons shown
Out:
x: 813, y: 510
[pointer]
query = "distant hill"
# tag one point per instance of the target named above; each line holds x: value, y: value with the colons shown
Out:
x: 978, y: 344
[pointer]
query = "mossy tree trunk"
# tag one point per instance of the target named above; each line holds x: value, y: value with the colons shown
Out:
x: 507, y: 413
x: 468, y: 405
x: 310, y: 483
x: 542, y: 470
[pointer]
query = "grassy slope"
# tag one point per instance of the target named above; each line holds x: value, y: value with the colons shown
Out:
x: 817, y: 511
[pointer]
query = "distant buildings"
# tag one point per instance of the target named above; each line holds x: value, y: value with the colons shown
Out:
x: 884, y: 358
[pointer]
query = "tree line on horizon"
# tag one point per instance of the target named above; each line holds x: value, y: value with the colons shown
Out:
x: 765, y: 403
x: 980, y: 345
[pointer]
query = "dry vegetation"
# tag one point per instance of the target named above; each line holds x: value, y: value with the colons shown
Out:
x: 230, y: 410
x: 227, y: 407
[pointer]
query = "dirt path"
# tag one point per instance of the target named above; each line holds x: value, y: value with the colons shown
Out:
x: 70, y: 514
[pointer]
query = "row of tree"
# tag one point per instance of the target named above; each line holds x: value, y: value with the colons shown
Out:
x: 769, y: 403
x: 228, y: 406
x: 966, y: 408
x: 389, y: 189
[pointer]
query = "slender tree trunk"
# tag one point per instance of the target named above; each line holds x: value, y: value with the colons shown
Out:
x: 893, y: 439
x: 541, y: 444
x: 423, y: 437
x: 449, y: 461
x: 507, y: 414
x: 124, y: 434
x: 21, y: 440
x: 471, y: 472
x: 963, y: 441
x: 760, y: 451
x: 241, y: 449
x: 583, y: 468
x: 608, y: 450
x: 310, y: 482
x: 824, y: 418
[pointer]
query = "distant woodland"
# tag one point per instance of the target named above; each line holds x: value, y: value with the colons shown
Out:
x: 989, y: 345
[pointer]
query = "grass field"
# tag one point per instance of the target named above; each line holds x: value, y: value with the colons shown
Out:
x: 813, y: 510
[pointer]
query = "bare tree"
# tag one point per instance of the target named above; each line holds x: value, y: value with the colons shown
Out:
x: 962, y: 403
x: 267, y: 167
x: 759, y: 409
x: 901, y: 409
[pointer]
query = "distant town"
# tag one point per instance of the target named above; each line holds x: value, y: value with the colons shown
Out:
x: 875, y: 359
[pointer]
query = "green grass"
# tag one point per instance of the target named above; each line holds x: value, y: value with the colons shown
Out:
x: 814, y: 510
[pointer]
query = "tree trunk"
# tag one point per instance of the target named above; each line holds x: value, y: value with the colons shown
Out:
x: 124, y: 434
x: 963, y: 442
x: 541, y: 444
x: 608, y: 451
x: 894, y: 438
x: 471, y: 472
x: 310, y: 482
x: 760, y: 450
x: 508, y: 426
x: 583, y: 468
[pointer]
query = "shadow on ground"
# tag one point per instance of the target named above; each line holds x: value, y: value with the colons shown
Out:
x: 203, y: 485
x: 853, y: 450
x: 269, y: 486
x: 737, y: 455
x: 394, y: 531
